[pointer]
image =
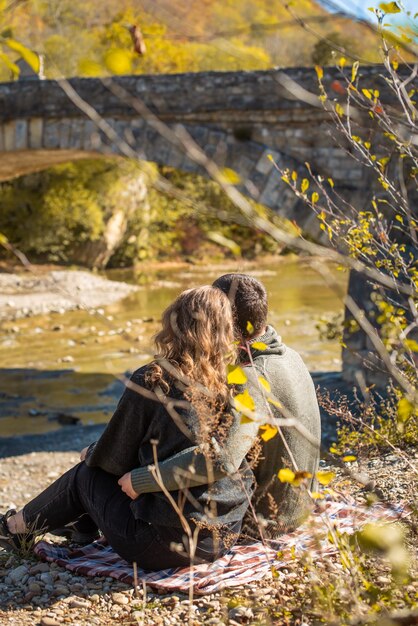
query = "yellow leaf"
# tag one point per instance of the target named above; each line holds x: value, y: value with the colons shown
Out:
x: 268, y: 432
x: 118, y: 61
x: 231, y: 176
x: 315, y: 197
x: 405, y: 410
x: 331, y: 182
x: 411, y: 344
x: 31, y: 58
x: 390, y: 7
x: 300, y: 477
x: 395, y: 64
x: 305, y: 185
x: 244, y: 402
x: 250, y: 328
x: 354, y: 71
x: 342, y: 62
x: 286, y: 475
x: 86, y: 67
x: 339, y: 109
x: 245, y: 419
x: 317, y: 496
x: 12, y: 66
x: 325, y: 477
x: 319, y: 72
x: 259, y: 345
x: 236, y: 375
x: 264, y: 383
x: 274, y: 403
x: 223, y: 241
x: 367, y: 145
x: 367, y: 93
x: 294, y: 176
x: 349, y: 458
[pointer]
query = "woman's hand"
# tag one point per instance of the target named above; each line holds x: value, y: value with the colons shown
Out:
x: 83, y: 453
x: 125, y: 484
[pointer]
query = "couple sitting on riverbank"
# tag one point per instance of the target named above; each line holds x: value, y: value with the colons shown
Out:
x: 187, y: 459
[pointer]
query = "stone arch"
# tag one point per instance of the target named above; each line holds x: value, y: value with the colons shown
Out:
x: 34, y: 144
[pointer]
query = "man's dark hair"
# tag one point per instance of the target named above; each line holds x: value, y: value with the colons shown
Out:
x: 249, y: 302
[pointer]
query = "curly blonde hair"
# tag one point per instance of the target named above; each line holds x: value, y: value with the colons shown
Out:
x: 195, y: 343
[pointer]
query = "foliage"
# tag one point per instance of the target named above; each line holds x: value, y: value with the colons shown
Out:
x: 90, y: 39
x: 47, y: 214
x: 177, y: 228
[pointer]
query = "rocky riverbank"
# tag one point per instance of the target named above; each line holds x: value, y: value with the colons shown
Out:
x: 34, y: 593
x: 24, y: 295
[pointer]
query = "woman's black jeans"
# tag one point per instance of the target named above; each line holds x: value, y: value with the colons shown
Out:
x: 93, y: 491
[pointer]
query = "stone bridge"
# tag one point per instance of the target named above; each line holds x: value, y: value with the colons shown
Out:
x: 238, y: 118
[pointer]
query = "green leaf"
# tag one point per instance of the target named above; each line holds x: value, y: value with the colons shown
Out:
x: 236, y: 375
x: 31, y: 58
x: 118, y: 61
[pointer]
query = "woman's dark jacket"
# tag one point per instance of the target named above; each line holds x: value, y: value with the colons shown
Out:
x: 127, y: 443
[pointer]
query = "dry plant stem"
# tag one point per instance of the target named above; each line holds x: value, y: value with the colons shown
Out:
x: 135, y: 568
x: 191, y: 536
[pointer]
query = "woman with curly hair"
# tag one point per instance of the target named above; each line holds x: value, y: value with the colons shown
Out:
x: 178, y: 401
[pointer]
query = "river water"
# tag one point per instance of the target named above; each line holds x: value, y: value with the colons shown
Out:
x: 62, y: 367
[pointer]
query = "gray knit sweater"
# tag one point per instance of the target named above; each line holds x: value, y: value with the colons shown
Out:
x: 291, y: 384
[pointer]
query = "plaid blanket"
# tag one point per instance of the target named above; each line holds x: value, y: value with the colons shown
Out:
x: 241, y: 565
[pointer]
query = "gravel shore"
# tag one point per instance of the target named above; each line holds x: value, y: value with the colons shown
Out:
x: 24, y: 295
x: 32, y: 592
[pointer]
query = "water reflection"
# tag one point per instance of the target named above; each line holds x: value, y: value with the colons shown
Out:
x: 67, y: 363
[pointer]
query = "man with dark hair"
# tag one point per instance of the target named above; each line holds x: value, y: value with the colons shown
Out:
x: 281, y: 387
x: 249, y: 303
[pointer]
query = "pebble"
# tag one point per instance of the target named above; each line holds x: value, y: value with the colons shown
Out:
x: 119, y: 598
x: 78, y: 604
x: 17, y: 574
x: 49, y: 621
x: 241, y: 614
